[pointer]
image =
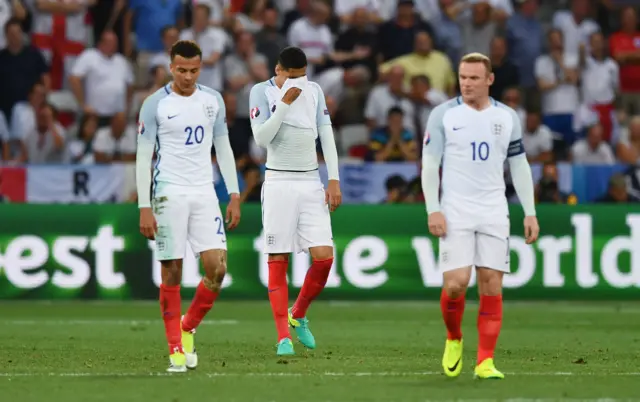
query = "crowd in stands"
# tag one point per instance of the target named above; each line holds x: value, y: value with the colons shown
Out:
x: 74, y: 73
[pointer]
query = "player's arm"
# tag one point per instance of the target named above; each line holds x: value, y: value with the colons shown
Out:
x: 433, y: 149
x: 327, y: 139
x: 520, y: 169
x: 147, y: 134
x: 224, y: 152
x: 264, y: 125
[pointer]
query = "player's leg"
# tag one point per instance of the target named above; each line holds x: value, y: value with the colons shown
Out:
x: 456, y: 253
x: 315, y: 235
x: 492, y: 260
x: 171, y: 215
x: 279, y: 217
x: 208, y: 239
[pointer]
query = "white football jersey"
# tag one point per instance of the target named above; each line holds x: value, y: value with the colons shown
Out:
x: 474, y: 146
x: 183, y: 128
x: 294, y: 147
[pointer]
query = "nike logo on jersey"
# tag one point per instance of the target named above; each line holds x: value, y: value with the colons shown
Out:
x: 171, y: 117
x: 457, y: 128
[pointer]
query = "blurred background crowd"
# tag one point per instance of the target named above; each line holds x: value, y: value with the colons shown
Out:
x: 74, y: 73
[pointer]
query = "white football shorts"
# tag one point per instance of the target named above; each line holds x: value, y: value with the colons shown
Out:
x: 193, y: 218
x: 295, y: 216
x: 482, y: 246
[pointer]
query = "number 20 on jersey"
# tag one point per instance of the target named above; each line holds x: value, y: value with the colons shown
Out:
x: 194, y: 135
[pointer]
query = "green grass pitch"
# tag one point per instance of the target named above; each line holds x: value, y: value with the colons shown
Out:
x: 383, y: 351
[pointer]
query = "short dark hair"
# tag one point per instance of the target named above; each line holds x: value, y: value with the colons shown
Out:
x: 395, y: 182
x: 12, y: 21
x: 292, y: 57
x: 421, y: 78
x: 203, y: 7
x: 185, y: 48
x: 395, y: 110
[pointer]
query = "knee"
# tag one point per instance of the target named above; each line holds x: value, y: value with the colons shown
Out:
x: 489, y: 282
x: 322, y: 253
x: 456, y: 283
x: 214, y: 277
x: 279, y: 257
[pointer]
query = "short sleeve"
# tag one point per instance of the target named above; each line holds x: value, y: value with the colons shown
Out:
x: 370, y: 107
x: 83, y: 64
x: 434, y: 137
x: 103, y: 142
x: 516, y: 147
x: 258, y: 104
x: 546, y: 139
x: 322, y: 113
x: 542, y: 70
x: 220, y: 128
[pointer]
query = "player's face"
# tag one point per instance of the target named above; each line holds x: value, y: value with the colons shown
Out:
x: 290, y: 73
x: 474, y: 80
x: 185, y: 71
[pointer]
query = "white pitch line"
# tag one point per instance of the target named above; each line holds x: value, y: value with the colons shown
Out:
x: 324, y: 374
x: 107, y: 322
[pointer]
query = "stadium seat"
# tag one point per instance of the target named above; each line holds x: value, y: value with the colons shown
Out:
x: 351, y: 136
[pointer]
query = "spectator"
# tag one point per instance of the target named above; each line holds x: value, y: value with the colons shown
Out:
x: 251, y: 17
x: 625, y: 49
x: 537, y: 139
x: 396, y: 37
x: 547, y: 190
x: 425, y: 99
x: 600, y: 82
x: 506, y: 74
x: 512, y: 97
x: 617, y: 192
x: 477, y: 34
x: 575, y: 25
x: 10, y: 9
x: 301, y: 9
x: 170, y: 35
x: 424, y: 60
x: 345, y: 10
x: 557, y: 75
x: 46, y: 143
x: 356, y: 46
x: 252, y: 190
x: 109, y: 16
x: 446, y: 27
x: 592, y: 150
x: 149, y: 19
x: 102, y: 80
x: 311, y: 34
x: 244, y: 68
x: 23, y: 118
x: 21, y: 67
x: 385, y: 96
x: 396, y: 188
x: 240, y: 134
x: 117, y: 143
x: 212, y: 41
x: 60, y: 32
x: 525, y: 41
x: 80, y: 149
x: 269, y: 41
x: 393, y: 143
x: 218, y: 10
x: 628, y: 148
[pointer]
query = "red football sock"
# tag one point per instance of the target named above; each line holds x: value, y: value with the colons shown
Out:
x: 200, y: 306
x: 489, y: 323
x: 279, y: 296
x: 452, y: 311
x: 314, y: 282
x: 170, y: 308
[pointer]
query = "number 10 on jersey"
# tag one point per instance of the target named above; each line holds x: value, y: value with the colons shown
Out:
x: 480, y: 150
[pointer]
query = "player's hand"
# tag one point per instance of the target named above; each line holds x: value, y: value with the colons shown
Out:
x: 233, y: 212
x: 291, y: 95
x: 148, y: 224
x: 531, y: 229
x: 333, y: 195
x: 437, y: 224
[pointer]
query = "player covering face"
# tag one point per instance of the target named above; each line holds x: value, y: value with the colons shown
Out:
x: 288, y: 113
x: 181, y: 122
x: 474, y: 134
